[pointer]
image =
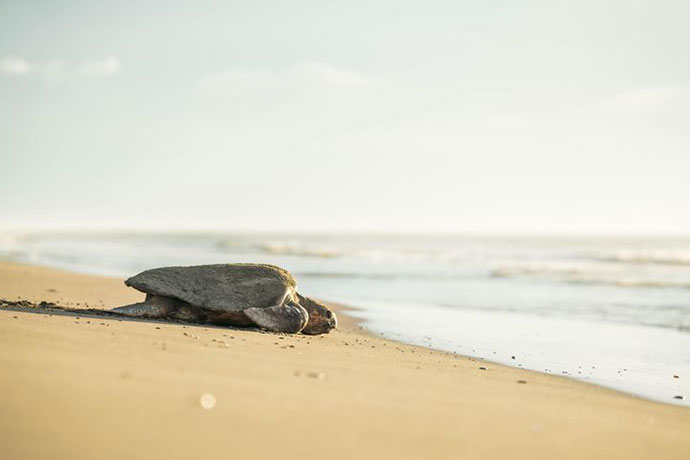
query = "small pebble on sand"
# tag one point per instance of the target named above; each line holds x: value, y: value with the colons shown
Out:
x: 316, y: 375
x: 207, y: 401
x: 482, y: 368
x: 522, y: 381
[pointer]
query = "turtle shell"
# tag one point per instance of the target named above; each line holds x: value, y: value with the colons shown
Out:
x: 219, y: 287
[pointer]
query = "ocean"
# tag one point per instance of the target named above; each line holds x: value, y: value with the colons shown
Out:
x: 613, y: 311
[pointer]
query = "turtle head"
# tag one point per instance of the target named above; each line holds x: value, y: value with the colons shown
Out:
x: 321, y: 318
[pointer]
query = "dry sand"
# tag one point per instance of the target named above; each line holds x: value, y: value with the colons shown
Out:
x: 92, y: 387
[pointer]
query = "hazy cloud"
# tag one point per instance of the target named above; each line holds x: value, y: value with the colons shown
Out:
x: 14, y: 66
x: 300, y: 76
x: 57, y: 71
x: 330, y: 75
x: 105, y: 67
x: 641, y: 99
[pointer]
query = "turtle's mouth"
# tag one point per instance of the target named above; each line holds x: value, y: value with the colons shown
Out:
x: 332, y: 320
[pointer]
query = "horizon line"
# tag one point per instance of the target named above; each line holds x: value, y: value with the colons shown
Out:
x: 326, y: 231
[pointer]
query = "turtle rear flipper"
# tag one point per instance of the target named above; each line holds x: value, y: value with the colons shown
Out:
x: 288, y: 318
x: 157, y: 306
x: 143, y: 310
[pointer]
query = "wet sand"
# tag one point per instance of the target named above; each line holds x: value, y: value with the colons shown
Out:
x: 76, y: 386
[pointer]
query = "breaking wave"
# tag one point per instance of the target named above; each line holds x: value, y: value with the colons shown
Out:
x: 299, y: 249
x: 326, y: 250
x: 652, y: 256
x: 590, y: 274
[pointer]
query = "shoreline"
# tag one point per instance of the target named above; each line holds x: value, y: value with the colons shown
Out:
x: 350, y: 392
x: 501, y: 338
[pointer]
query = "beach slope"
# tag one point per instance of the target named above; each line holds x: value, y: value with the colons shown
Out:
x: 98, y: 387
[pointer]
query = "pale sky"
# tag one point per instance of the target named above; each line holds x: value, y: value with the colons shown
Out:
x: 469, y: 116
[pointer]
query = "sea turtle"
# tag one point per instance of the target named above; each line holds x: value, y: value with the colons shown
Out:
x: 231, y: 294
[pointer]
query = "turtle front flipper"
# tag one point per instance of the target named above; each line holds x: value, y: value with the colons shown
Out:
x: 289, y: 318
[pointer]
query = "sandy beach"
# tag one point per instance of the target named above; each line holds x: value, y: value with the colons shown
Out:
x: 99, y: 387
